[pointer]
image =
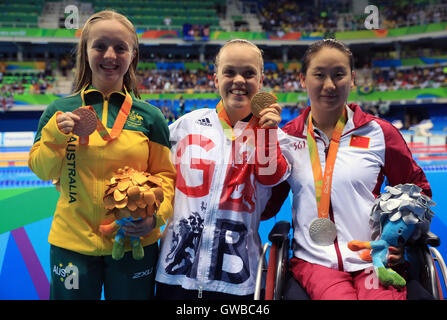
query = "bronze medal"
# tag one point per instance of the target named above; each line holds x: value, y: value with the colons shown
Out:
x: 87, y: 124
x: 260, y: 101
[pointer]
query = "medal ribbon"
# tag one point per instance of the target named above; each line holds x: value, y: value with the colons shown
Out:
x: 228, y: 131
x: 323, y: 183
x: 117, y: 126
x: 226, y: 123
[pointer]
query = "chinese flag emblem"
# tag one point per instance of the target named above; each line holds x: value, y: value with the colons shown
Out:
x: 359, y: 142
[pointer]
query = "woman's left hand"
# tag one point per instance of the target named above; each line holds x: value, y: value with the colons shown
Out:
x: 270, y: 117
x: 395, y: 256
x: 139, y: 228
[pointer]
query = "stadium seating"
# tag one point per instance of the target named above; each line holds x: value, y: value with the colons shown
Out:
x: 21, y: 13
x: 153, y: 13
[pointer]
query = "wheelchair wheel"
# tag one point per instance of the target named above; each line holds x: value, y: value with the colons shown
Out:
x: 281, y: 270
x: 277, y: 264
x: 433, y: 257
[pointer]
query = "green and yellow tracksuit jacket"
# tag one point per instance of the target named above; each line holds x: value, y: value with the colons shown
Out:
x: 84, y: 170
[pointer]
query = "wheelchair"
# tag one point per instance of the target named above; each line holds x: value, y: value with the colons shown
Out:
x: 422, y: 255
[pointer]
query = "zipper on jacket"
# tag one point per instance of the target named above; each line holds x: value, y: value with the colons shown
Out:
x: 105, y: 110
x: 336, y: 245
x: 209, y: 216
x: 99, y: 186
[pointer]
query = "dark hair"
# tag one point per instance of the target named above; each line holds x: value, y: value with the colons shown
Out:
x: 329, y: 43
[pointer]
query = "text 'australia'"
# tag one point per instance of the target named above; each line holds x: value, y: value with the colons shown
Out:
x: 71, y: 167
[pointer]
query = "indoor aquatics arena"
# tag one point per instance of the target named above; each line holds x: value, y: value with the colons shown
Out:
x: 400, y: 55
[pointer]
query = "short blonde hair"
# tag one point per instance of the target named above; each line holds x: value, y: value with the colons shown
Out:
x: 240, y: 42
x: 83, y: 75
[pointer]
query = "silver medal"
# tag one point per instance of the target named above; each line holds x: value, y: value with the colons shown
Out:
x: 323, y: 231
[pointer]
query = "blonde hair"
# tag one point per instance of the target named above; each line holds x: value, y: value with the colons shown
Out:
x: 242, y: 42
x: 83, y: 75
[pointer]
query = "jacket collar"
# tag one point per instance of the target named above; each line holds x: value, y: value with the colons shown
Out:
x: 91, y: 95
x: 90, y: 88
x: 297, y: 126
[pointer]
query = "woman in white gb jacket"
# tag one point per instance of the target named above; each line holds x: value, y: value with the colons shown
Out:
x: 211, y: 247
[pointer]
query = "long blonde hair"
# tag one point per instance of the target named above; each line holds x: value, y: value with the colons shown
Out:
x: 83, y: 74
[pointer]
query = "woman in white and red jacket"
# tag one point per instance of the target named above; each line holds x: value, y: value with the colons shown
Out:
x: 369, y: 149
x: 212, y: 246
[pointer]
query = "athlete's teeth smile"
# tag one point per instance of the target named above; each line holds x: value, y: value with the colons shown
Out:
x: 238, y: 92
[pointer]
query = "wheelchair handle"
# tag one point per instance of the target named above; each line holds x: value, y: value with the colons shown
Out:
x: 428, y: 238
x: 432, y: 240
x: 280, y: 232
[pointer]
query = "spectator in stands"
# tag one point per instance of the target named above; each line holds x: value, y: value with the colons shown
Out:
x: 6, y: 98
x: 182, y: 105
x: 3, y: 103
x: 288, y: 16
x: 48, y: 69
x: 211, y: 247
x: 107, y: 59
x: 167, y: 21
x: 64, y: 65
x: 368, y: 148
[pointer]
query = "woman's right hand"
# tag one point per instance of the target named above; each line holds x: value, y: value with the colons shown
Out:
x: 66, y: 121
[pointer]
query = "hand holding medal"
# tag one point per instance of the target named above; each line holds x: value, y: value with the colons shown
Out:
x: 84, y: 121
x: 262, y: 101
x: 87, y: 122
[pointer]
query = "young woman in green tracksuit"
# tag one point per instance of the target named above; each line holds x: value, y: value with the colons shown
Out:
x: 107, y: 59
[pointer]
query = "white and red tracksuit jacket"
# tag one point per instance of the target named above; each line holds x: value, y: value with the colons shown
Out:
x: 370, y: 149
x: 212, y: 242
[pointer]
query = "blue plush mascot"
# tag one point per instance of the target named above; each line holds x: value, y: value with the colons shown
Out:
x: 398, y: 215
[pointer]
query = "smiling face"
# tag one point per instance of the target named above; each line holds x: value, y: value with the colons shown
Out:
x: 328, y: 80
x: 110, y: 51
x: 238, y: 77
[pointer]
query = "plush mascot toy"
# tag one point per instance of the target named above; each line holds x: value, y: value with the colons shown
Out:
x: 398, y: 215
x: 130, y: 196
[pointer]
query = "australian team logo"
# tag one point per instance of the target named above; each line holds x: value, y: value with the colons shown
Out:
x: 69, y: 275
x: 134, y: 119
